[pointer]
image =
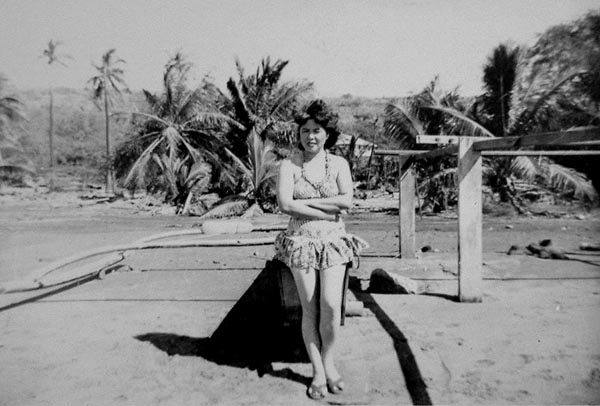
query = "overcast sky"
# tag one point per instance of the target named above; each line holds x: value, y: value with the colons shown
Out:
x: 367, y: 48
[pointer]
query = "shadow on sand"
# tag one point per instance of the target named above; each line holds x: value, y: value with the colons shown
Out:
x: 416, y: 386
x: 255, y: 333
x: 260, y: 330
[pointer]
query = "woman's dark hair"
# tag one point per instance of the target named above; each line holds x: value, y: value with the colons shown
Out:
x: 318, y: 111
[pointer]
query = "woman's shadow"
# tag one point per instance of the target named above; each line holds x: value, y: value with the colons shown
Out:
x: 256, y: 332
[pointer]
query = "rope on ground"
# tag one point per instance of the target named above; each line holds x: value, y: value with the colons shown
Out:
x: 35, y: 279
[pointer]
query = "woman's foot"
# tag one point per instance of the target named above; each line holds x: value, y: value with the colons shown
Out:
x: 318, y: 386
x: 316, y: 392
x: 335, y: 386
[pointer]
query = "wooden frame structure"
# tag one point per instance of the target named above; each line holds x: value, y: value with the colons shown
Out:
x: 470, y: 151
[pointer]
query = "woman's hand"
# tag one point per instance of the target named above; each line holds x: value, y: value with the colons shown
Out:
x: 326, y: 207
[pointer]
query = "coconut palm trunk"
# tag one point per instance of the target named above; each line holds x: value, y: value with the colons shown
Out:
x: 51, y: 139
x: 109, y: 76
x: 109, y: 176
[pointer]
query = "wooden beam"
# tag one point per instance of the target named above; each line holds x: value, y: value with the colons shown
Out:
x: 419, y: 153
x: 541, y: 139
x: 573, y: 152
x: 440, y: 139
x: 449, y: 150
x: 399, y: 152
x: 406, y: 209
x: 469, y: 222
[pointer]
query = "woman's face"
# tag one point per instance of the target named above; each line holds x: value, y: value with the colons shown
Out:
x: 312, y: 136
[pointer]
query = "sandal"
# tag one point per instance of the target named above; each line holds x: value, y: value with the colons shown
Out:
x: 316, y: 392
x: 336, y: 386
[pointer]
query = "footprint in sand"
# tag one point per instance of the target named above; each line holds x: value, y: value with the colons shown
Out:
x: 594, y: 379
x: 485, y: 362
x: 526, y: 358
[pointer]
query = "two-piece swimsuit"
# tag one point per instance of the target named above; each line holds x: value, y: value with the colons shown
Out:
x: 318, y: 244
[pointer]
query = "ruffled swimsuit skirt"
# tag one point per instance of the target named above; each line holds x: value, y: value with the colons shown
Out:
x: 318, y: 244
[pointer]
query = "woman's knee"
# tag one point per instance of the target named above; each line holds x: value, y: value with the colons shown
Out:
x: 330, y: 307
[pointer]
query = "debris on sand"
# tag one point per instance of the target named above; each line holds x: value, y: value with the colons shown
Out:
x: 586, y: 246
x: 545, y: 252
x: 513, y: 249
x: 542, y: 249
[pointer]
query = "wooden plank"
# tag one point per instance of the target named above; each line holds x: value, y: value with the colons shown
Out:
x: 406, y: 209
x: 440, y: 139
x: 399, y: 152
x: 469, y: 222
x: 449, y: 150
x: 573, y: 152
x: 551, y: 138
x: 419, y: 153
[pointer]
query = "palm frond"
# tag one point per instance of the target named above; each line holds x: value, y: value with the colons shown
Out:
x: 137, y: 174
x: 523, y: 121
x: 524, y: 167
x: 198, y: 171
x: 563, y: 178
x: 401, y: 122
x: 214, y: 119
x: 150, y: 116
x: 286, y: 99
x: 446, y: 176
x: 239, y: 105
x: 173, y: 139
x: 472, y: 127
x: 240, y: 164
x: 151, y: 99
x: 262, y: 158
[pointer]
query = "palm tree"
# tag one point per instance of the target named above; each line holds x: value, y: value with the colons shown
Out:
x: 503, y: 115
x: 261, y: 100
x: 172, y: 146
x: 108, y: 82
x: 260, y: 167
x: 256, y: 119
x: 489, y: 110
x: 12, y: 157
x: 52, y: 55
x: 427, y: 113
x: 499, y: 75
x: 235, y: 133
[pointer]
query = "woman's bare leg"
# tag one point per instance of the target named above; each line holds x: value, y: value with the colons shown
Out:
x: 307, y: 284
x: 332, y: 282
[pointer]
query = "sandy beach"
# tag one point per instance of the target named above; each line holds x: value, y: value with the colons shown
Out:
x: 142, y: 335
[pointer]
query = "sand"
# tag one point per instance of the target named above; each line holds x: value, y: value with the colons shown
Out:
x: 142, y: 337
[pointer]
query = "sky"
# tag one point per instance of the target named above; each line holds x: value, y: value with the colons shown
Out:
x: 372, y: 48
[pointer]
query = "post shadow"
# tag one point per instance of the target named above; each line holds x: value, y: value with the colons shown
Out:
x: 415, y: 384
x: 256, y: 332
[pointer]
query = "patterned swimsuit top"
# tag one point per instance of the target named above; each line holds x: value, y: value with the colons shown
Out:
x: 305, y: 188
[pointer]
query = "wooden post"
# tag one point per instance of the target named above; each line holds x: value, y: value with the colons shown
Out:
x: 406, y: 209
x: 469, y: 222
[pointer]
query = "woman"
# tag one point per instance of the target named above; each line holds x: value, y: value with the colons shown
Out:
x: 315, y: 188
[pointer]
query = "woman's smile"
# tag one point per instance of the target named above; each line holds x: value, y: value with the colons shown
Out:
x: 312, y: 136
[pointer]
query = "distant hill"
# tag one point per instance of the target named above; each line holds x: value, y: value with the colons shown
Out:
x: 79, y: 124
x: 79, y: 136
